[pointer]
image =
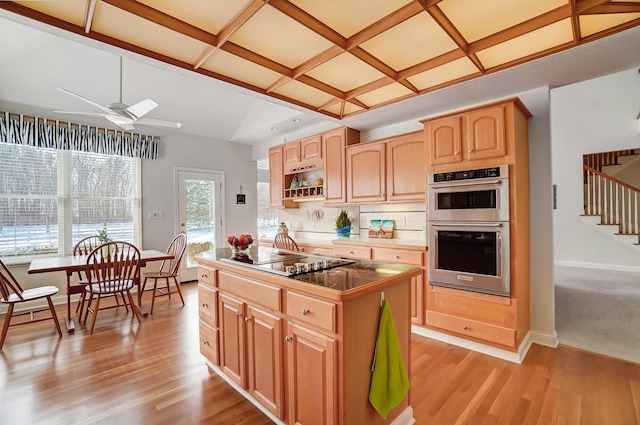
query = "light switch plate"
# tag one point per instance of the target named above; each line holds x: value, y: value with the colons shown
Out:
x: 156, y: 214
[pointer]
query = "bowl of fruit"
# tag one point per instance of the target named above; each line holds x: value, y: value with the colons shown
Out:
x: 240, y: 244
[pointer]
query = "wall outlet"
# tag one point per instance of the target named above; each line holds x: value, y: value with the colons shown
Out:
x: 156, y: 214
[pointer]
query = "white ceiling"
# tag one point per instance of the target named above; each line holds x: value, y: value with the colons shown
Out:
x: 35, y: 59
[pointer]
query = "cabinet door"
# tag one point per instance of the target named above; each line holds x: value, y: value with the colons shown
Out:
x: 486, y: 133
x: 334, y: 167
x: 444, y: 140
x: 291, y: 153
x: 311, y: 358
x: 366, y: 173
x: 265, y: 358
x: 311, y: 148
x: 276, y: 177
x: 232, y: 340
x: 406, y: 171
x: 417, y: 303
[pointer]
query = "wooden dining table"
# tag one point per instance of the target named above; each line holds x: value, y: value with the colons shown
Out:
x: 73, y: 264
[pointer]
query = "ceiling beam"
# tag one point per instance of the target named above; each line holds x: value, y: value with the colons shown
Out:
x: 389, y: 21
x: 302, y: 17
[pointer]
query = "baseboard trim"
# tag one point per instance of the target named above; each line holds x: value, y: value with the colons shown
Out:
x: 511, y: 356
x: 599, y: 266
x: 542, y: 338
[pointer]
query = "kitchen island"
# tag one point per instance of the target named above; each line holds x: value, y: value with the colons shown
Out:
x: 300, y: 346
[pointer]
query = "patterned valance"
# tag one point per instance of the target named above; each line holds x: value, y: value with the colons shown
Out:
x: 46, y: 133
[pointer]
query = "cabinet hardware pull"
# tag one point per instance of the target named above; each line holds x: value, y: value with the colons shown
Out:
x: 466, y: 328
x: 238, y: 314
x: 396, y: 256
x: 206, y: 343
x: 305, y: 311
x: 205, y: 305
x: 456, y: 153
x: 288, y: 338
x: 350, y: 252
x: 203, y: 276
x: 470, y: 150
x: 247, y: 319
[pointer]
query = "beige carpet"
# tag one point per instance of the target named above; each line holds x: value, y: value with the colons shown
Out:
x: 599, y: 311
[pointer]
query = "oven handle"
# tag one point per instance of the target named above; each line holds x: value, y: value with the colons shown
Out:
x: 466, y: 224
x: 444, y: 186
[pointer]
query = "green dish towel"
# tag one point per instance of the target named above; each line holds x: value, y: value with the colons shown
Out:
x: 389, y: 380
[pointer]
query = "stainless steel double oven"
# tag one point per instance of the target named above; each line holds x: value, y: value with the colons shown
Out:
x: 469, y: 230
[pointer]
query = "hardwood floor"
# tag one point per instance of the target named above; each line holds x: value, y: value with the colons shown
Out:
x: 153, y: 374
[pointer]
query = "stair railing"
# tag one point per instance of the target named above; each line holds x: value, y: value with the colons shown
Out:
x: 614, y: 201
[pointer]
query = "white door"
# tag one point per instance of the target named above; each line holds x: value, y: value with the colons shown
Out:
x: 200, y: 214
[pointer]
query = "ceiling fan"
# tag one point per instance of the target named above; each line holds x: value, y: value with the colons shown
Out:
x: 123, y: 115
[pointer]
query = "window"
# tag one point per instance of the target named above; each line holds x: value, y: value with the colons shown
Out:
x: 267, y: 217
x: 50, y: 199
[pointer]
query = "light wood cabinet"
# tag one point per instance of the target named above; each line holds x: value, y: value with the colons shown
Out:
x: 387, y: 170
x: 487, y: 136
x: 366, y: 173
x: 475, y: 138
x: 406, y: 176
x: 208, y: 314
x: 291, y: 153
x: 276, y: 177
x: 312, y: 376
x: 311, y: 148
x: 251, y: 352
x: 334, y: 143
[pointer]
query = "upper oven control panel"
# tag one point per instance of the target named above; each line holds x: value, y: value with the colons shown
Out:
x: 481, y: 173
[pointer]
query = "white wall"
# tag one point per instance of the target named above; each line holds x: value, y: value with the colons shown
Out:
x: 158, y: 181
x: 598, y: 115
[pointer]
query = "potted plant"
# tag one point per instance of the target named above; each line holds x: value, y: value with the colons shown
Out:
x: 103, y: 237
x: 343, y: 224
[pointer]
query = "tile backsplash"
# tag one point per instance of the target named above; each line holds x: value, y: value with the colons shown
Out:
x: 312, y: 220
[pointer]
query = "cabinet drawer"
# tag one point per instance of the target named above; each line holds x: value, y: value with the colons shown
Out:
x: 252, y: 291
x: 304, y: 309
x: 209, y: 342
x: 398, y: 256
x: 208, y: 304
x: 207, y: 275
x: 352, y: 251
x: 472, y: 328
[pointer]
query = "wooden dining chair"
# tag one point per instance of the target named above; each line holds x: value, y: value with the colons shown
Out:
x: 112, y: 269
x: 168, y: 270
x: 12, y: 294
x: 284, y: 241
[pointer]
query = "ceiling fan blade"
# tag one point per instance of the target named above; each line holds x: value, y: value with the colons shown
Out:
x: 141, y: 108
x: 126, y: 126
x: 89, y: 101
x: 159, y: 123
x: 92, y: 114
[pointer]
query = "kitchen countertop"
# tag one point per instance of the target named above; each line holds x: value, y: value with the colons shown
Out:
x: 339, y: 283
x: 420, y: 244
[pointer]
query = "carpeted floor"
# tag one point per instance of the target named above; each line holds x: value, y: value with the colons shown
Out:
x: 599, y: 311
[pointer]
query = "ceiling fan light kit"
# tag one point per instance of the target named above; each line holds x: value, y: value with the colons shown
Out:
x: 121, y: 114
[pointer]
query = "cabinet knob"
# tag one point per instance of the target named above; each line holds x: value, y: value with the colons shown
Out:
x: 470, y: 150
x: 238, y: 314
x: 288, y: 338
x: 247, y: 319
x: 205, y: 305
x: 466, y: 328
x: 350, y: 252
x: 206, y: 343
x: 305, y: 311
x: 456, y: 153
x: 204, y: 276
x: 396, y: 257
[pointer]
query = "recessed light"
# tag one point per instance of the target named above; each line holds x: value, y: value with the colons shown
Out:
x: 296, y: 120
x: 274, y: 128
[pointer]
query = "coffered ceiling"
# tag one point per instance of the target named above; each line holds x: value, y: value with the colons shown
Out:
x: 336, y: 57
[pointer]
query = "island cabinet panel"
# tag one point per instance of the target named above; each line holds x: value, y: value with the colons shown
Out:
x: 312, y: 376
x: 208, y: 313
x: 265, y: 358
x: 232, y: 340
x: 208, y: 276
x: 312, y: 311
x: 209, y: 342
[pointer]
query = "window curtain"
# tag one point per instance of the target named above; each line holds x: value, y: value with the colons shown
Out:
x: 45, y: 133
